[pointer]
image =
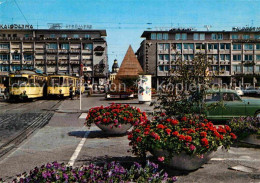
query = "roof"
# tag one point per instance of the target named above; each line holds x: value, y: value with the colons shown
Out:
x: 101, y: 31
x: 130, y: 66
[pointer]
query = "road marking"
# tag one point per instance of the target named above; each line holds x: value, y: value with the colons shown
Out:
x: 78, y: 149
x: 235, y: 159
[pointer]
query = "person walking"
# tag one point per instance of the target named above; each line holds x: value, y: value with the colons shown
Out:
x: 71, y: 92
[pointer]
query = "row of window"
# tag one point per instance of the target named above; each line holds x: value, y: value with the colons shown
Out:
x: 51, y: 35
x: 199, y: 36
x: 4, y: 57
x: 222, y: 57
x: 235, y: 68
x: 213, y: 46
x: 54, y: 46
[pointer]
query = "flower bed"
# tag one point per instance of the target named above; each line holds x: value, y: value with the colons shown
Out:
x: 115, y: 115
x: 192, y: 135
x: 244, y: 127
x: 112, y: 172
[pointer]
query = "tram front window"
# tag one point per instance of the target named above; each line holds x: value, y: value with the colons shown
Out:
x: 22, y: 81
x: 56, y: 81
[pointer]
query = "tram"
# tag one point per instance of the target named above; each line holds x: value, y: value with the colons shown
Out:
x: 26, y: 84
x: 60, y: 85
x: 3, y: 85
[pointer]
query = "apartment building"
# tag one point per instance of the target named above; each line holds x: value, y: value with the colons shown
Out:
x: 235, y: 54
x: 54, y: 51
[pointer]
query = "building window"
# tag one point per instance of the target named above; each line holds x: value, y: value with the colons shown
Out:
x: 224, y: 68
x: 159, y: 36
x: 16, y: 68
x: 164, y: 58
x: 52, y: 36
x: 225, y: 57
x: 188, y: 46
x: 165, y: 36
x: 178, y: 46
x: 153, y: 36
x: 87, y: 36
x: 257, y: 68
x: 88, y: 46
x: 224, y: 46
x: 200, y: 46
x: 52, y: 46
x: 248, y: 57
x: 184, y: 36
x: 257, y: 57
x: 64, y: 35
x: 28, y: 57
x: 248, y: 47
x: 177, y: 36
x: 257, y: 36
x: 215, y: 57
x: 195, y: 36
x: 160, y: 67
x: 246, y: 36
x: 75, y: 36
x: 4, y: 46
x: 188, y: 57
x: 217, y: 36
x: 202, y: 36
x: 64, y: 46
x: 26, y: 35
x: 4, y: 57
x: 248, y: 68
x: 236, y: 68
x: 234, y: 36
x: 236, y: 46
x: 165, y: 47
x: 258, y: 46
x: 236, y: 57
x: 166, y: 68
x: 16, y: 57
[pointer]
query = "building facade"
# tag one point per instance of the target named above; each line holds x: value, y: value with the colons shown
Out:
x: 235, y: 54
x: 115, y: 69
x: 55, y: 51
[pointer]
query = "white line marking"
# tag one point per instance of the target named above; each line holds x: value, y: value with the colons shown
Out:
x: 235, y: 159
x: 78, y: 149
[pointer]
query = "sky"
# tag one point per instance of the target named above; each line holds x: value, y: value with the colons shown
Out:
x: 125, y: 20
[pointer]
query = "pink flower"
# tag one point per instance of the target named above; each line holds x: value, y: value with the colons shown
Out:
x: 161, y: 158
x: 201, y: 156
x: 116, y: 121
x: 98, y: 122
x: 192, y: 147
x: 119, y: 126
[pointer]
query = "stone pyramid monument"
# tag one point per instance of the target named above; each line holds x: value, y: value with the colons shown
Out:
x: 130, y: 67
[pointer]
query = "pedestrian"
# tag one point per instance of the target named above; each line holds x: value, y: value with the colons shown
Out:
x: 71, y: 92
x: 77, y: 93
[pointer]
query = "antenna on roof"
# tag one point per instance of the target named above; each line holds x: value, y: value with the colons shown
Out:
x: 207, y: 27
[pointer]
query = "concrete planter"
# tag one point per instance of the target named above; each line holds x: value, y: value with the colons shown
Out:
x: 114, y: 130
x: 183, y: 161
x: 253, y: 139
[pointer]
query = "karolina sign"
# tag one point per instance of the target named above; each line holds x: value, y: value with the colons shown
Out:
x: 15, y: 26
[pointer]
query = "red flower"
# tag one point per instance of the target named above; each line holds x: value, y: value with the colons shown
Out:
x: 188, y: 138
x: 168, y: 120
x: 138, y: 130
x: 221, y: 129
x: 176, y: 133
x: 181, y: 137
x: 221, y: 137
x: 146, y: 133
x: 160, y: 126
x: 139, y: 139
x: 115, y: 114
x: 202, y: 124
x: 205, y: 120
x: 130, y: 136
x: 174, y: 122
x: 155, y: 135
x: 163, y: 114
x: 168, y: 131
x: 204, y: 142
x: 161, y: 158
x: 104, y: 120
x: 217, y: 134
x: 184, y: 118
x: 227, y: 128
x: 190, y: 131
x: 124, y: 118
x: 203, y: 134
x: 233, y: 136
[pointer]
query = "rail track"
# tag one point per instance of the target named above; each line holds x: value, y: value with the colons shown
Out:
x: 37, y: 123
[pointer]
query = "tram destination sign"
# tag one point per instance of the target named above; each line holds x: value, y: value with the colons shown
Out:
x: 15, y: 26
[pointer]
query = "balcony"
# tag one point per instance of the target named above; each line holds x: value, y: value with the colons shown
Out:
x: 51, y: 51
x: 15, y: 62
x: 87, y: 51
x: 28, y: 50
x: 74, y: 62
x: 163, y: 51
x: 65, y: 51
x: 51, y: 62
x: 74, y: 50
x: 224, y: 73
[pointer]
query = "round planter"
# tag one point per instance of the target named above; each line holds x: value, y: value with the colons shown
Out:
x: 114, y: 130
x: 253, y: 139
x: 184, y: 161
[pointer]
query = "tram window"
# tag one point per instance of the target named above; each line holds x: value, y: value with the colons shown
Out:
x: 31, y: 80
x: 61, y: 81
x: 18, y: 81
x: 66, y: 82
x: 71, y: 82
x: 54, y: 81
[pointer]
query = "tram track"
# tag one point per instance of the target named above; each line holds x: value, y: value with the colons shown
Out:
x: 36, y: 124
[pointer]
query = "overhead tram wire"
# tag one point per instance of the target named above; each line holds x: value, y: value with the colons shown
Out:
x: 21, y: 12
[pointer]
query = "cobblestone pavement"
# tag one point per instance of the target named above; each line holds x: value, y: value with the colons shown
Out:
x: 58, y: 141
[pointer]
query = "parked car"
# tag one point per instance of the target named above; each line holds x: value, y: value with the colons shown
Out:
x: 250, y: 91
x: 239, y: 91
x: 232, y: 105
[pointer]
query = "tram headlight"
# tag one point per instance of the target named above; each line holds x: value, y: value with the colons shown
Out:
x: 60, y: 91
x: 24, y: 92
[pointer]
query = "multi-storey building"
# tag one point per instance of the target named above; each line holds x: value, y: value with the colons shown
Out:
x: 235, y: 54
x: 55, y: 51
